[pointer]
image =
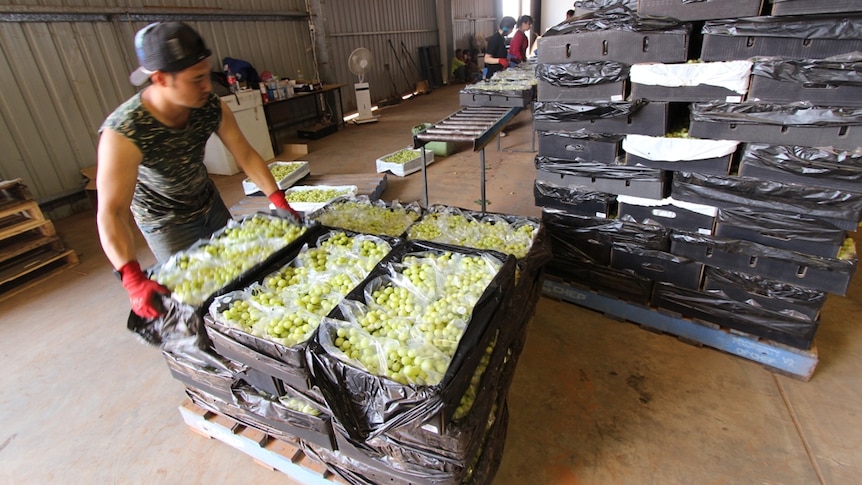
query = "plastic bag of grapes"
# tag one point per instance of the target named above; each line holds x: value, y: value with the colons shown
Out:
x: 361, y: 214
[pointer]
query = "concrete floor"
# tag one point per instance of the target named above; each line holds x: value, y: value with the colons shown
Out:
x: 594, y: 400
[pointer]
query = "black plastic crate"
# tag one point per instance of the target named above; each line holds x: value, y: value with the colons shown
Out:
x: 791, y: 37
x: 520, y: 100
x: 794, y: 232
x: 813, y: 272
x: 625, y: 46
x: 684, y: 94
x: 290, y: 368
x: 771, y: 90
x: 650, y: 119
x: 365, y: 404
x: 622, y: 284
x: 703, y: 10
x: 803, y: 7
x: 574, y: 201
x: 658, y: 266
x: 615, y: 91
x: 579, y: 146
x: 821, y: 167
x: 840, y: 209
x: 712, y: 166
x: 649, y: 183
x: 214, y: 378
x: 789, y: 300
x: 718, y: 310
x: 669, y: 213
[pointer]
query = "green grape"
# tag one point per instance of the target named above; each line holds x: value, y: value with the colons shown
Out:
x: 460, y: 230
x: 299, y: 405
x: 403, y: 156
x: 315, y: 195
x: 367, y: 218
x: 194, y: 274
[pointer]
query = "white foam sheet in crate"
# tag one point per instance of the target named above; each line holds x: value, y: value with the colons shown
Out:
x: 732, y: 75
x: 659, y: 148
x: 402, y: 169
x: 301, y: 170
x: 347, y: 191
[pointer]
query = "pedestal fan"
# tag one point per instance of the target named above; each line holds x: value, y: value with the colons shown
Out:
x: 359, y: 62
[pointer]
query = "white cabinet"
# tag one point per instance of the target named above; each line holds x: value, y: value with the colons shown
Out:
x: 248, y: 110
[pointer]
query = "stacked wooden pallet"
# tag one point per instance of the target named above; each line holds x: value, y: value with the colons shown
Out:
x: 29, y: 245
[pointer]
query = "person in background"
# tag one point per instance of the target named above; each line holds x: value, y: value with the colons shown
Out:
x: 458, y: 70
x: 496, y: 54
x: 570, y: 15
x: 150, y: 159
x: 520, y: 42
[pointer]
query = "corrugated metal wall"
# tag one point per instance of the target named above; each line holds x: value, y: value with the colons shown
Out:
x: 393, y: 30
x: 65, y: 67
x: 64, y: 64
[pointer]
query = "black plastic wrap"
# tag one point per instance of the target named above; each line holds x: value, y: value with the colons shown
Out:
x: 584, y: 134
x: 482, y: 89
x: 770, y: 295
x: 617, y: 17
x: 573, y: 196
x: 368, y: 405
x: 715, y: 307
x: 843, y: 70
x: 557, y: 111
x: 795, y: 114
x: 204, y: 370
x: 598, y: 170
x: 809, y: 27
x: 363, y: 470
x: 823, y: 165
x: 814, y: 272
x: 561, y: 225
x: 579, y: 74
x: 829, y: 204
x: 180, y: 328
x: 781, y: 226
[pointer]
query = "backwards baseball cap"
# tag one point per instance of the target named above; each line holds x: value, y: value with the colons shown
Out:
x: 166, y: 47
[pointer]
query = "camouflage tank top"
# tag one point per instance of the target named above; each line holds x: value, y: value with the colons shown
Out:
x: 173, y: 186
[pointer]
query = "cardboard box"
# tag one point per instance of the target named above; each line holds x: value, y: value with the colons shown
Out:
x: 411, y: 166
x: 711, y: 166
x: 292, y: 151
x: 686, y: 94
x: 89, y: 174
x: 669, y: 213
x: 703, y: 10
x: 574, y: 201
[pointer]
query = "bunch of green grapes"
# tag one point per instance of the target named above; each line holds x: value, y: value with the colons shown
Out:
x: 281, y: 170
x: 299, y: 405
x: 403, y: 156
x: 681, y: 133
x: 460, y: 230
x: 469, y: 396
x: 315, y: 195
x: 368, y: 218
x: 289, y: 304
x: 847, y: 251
x: 409, y: 332
x: 194, y: 274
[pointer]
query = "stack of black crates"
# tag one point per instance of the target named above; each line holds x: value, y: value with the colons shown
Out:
x: 365, y: 428
x: 742, y: 222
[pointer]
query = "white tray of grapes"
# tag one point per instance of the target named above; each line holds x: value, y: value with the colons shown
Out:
x: 308, y: 198
x: 286, y: 174
x: 404, y: 161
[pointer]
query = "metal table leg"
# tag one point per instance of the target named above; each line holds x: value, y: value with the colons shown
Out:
x: 482, y: 160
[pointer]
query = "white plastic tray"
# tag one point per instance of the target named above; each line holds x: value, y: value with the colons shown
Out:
x: 402, y: 169
x: 302, y: 170
x: 313, y: 206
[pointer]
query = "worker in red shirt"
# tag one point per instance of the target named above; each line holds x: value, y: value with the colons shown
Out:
x: 520, y: 42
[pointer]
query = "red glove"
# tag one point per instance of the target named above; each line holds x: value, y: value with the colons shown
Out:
x: 283, y: 209
x: 503, y: 62
x: 142, y: 290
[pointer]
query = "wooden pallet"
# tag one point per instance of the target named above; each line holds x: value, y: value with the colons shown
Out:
x: 371, y: 186
x: 264, y: 449
x: 776, y: 357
